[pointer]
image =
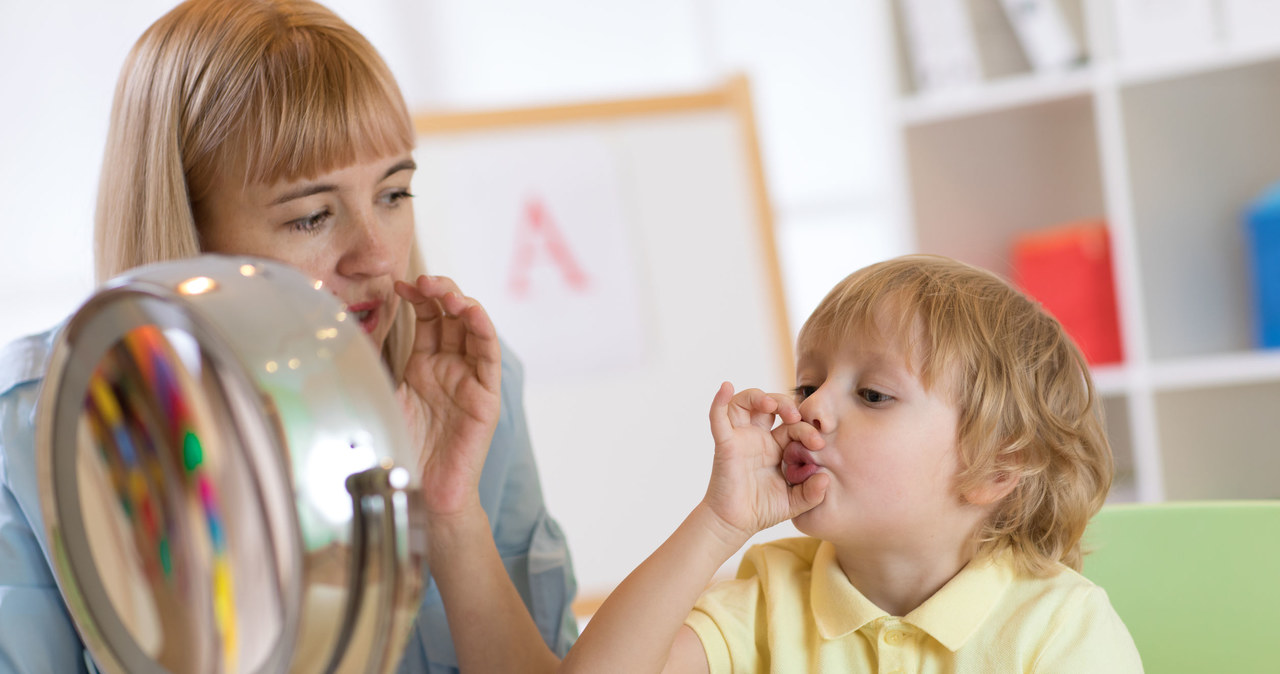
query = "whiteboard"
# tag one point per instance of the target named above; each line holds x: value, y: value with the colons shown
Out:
x: 625, y: 250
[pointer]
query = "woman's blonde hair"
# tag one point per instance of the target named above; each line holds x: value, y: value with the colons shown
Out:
x: 1027, y: 404
x: 268, y: 90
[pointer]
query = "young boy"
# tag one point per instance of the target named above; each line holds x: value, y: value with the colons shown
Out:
x: 944, y: 450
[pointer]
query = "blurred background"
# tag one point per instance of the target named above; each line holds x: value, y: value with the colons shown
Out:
x: 1113, y: 157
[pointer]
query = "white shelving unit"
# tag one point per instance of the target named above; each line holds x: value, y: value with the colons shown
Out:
x: 1169, y: 154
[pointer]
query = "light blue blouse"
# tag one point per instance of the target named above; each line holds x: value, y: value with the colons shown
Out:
x: 36, y: 633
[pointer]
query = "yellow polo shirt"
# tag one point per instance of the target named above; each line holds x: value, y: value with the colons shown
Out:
x: 792, y: 609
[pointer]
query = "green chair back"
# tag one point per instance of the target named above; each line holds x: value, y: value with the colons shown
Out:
x: 1197, y: 583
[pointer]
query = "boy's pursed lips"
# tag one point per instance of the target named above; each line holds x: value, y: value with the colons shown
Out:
x: 798, y: 464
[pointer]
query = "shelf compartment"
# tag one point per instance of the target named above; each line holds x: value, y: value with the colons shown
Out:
x: 1216, y: 370
x: 1200, y: 148
x: 1110, y: 379
x: 977, y: 181
x: 1225, y: 58
x: 1009, y: 93
x: 1115, y: 410
x: 1219, y: 443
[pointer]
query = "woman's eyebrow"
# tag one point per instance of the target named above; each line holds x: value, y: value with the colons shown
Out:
x: 317, y: 188
x: 402, y: 165
x: 304, y: 191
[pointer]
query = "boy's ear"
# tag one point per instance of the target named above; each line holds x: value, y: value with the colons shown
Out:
x: 994, y: 488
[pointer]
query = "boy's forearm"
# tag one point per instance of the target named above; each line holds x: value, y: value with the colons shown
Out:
x: 480, y: 603
x: 634, y: 629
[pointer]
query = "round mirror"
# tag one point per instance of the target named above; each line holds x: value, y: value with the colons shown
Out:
x: 225, y: 476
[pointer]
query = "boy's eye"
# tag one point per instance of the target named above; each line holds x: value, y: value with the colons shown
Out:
x: 310, y: 223
x: 873, y: 396
x: 802, y: 392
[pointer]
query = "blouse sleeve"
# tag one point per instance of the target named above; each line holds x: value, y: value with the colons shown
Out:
x: 36, y: 633
x: 531, y: 543
x: 532, y: 546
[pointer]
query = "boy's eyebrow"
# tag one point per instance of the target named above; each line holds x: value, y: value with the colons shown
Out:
x: 317, y: 188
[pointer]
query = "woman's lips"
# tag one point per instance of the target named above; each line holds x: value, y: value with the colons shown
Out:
x: 797, y: 466
x: 367, y: 314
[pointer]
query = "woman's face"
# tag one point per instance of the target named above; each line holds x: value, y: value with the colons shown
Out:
x: 351, y: 228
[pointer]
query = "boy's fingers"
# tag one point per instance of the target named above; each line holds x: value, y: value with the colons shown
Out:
x: 721, y: 428
x: 754, y: 400
x: 787, y: 409
x: 758, y: 406
x: 807, y: 494
x: 801, y: 432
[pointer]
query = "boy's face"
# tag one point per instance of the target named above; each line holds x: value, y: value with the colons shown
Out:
x: 891, y: 448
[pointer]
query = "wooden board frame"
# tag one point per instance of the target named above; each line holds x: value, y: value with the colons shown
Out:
x: 732, y: 98
x: 734, y: 95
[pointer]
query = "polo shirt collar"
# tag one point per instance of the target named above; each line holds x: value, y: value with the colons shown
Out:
x: 839, y: 608
x: 951, y: 615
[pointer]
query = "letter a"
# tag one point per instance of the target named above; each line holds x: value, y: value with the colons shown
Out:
x: 536, y: 225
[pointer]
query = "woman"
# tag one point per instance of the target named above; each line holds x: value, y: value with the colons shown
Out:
x: 272, y: 128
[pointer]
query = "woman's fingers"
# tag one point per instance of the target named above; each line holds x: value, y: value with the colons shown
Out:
x: 427, y: 312
x: 448, y: 320
x: 482, y: 344
x: 451, y: 334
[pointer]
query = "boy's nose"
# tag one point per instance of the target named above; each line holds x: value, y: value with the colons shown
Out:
x: 812, y: 411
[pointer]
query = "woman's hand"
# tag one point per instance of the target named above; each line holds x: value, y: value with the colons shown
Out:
x: 747, y: 492
x: 451, y: 393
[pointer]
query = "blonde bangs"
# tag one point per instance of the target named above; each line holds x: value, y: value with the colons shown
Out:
x: 312, y: 96
x: 904, y: 304
x: 301, y: 129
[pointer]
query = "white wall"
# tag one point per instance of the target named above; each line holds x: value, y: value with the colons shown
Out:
x: 816, y: 66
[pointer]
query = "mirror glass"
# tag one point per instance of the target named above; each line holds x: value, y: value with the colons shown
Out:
x: 172, y: 520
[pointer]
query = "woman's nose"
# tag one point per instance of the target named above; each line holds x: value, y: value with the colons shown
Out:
x: 367, y: 248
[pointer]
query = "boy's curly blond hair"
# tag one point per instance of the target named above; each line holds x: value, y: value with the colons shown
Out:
x: 1027, y: 404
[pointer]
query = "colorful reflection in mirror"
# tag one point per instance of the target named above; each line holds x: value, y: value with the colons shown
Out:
x: 167, y: 529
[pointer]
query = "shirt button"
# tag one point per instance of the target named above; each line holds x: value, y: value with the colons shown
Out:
x: 895, y: 637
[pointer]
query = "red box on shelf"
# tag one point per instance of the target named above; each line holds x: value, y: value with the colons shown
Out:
x: 1068, y: 270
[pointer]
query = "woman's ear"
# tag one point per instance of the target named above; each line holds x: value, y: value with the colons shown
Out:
x: 999, y: 485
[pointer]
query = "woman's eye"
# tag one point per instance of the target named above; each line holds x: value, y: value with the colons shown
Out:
x: 394, y: 197
x: 311, y: 223
x: 873, y: 396
x: 802, y: 392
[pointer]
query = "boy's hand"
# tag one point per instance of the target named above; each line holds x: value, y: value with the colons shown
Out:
x: 451, y: 394
x: 747, y: 492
